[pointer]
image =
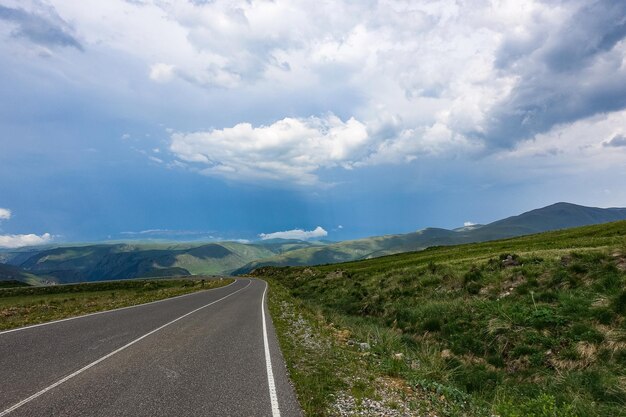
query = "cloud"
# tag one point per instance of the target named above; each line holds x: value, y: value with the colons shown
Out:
x: 161, y: 73
x: 43, y: 27
x: 575, y: 144
x: 168, y: 232
x: 616, y: 141
x: 298, y: 234
x: 487, y: 78
x: 386, y: 82
x: 17, y: 241
x: 289, y: 150
x: 568, y: 45
x: 467, y: 224
x: 5, y: 214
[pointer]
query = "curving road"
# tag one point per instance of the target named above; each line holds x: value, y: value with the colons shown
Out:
x: 210, y: 353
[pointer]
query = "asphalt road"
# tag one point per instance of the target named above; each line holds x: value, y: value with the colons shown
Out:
x: 204, y: 354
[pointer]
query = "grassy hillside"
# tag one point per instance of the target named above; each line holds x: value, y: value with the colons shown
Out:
x: 25, y: 306
x: 526, y: 326
x: 554, y: 217
x: 14, y: 276
x: 95, y: 262
x: 121, y: 261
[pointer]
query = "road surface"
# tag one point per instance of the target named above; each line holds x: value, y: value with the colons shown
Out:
x: 210, y: 353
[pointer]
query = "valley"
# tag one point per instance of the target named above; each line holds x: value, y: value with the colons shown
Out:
x: 95, y: 262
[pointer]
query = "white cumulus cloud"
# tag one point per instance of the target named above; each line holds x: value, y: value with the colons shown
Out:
x: 5, y: 214
x: 467, y: 224
x: 17, y: 241
x: 290, y: 149
x: 299, y: 234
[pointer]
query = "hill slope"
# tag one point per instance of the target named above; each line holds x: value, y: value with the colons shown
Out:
x: 532, y: 325
x: 13, y: 275
x: 120, y: 261
x: 136, y: 260
x: 553, y: 217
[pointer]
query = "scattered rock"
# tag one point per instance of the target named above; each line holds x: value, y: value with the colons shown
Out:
x: 509, y: 262
x: 398, y: 356
x: 620, y: 260
x: 346, y: 405
x: 363, y: 346
x: 335, y: 274
x: 446, y: 354
x: 566, y: 260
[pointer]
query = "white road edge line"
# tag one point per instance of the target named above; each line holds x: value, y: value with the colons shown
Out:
x: 107, y: 311
x: 94, y: 363
x: 268, y: 362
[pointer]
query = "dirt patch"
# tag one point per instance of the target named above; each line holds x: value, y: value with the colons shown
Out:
x: 335, y: 274
x: 507, y: 287
x: 392, y: 396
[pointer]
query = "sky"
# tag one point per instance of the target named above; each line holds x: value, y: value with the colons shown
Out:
x: 212, y: 120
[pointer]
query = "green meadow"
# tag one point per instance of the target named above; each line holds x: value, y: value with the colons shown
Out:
x: 21, y: 306
x: 530, y: 326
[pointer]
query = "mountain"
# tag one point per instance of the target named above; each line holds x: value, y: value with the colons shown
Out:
x: 136, y: 260
x: 13, y: 276
x: 95, y: 262
x: 553, y: 217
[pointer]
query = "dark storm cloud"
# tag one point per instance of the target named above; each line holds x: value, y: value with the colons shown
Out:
x: 48, y: 31
x: 566, y: 73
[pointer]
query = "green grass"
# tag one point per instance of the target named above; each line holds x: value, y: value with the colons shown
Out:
x: 556, y: 216
x: 32, y: 305
x: 327, y: 366
x: 544, y: 335
x: 13, y: 284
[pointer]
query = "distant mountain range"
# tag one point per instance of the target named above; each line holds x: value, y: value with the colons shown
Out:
x: 13, y: 274
x: 134, y: 260
x: 556, y: 216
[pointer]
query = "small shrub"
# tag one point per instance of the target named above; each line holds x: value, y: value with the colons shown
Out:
x: 542, y: 406
x: 473, y: 275
x: 430, y: 281
x: 620, y: 357
x: 433, y: 267
x: 431, y: 325
x: 543, y: 318
x: 578, y: 268
x: 547, y: 296
x: 603, y: 315
x: 523, y: 350
x: 584, y: 333
x: 496, y: 360
x: 619, y: 303
x: 473, y: 287
x: 558, y: 277
x: 477, y: 378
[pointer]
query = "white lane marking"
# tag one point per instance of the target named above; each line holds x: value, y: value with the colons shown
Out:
x: 268, y: 362
x: 94, y: 363
x: 107, y: 311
